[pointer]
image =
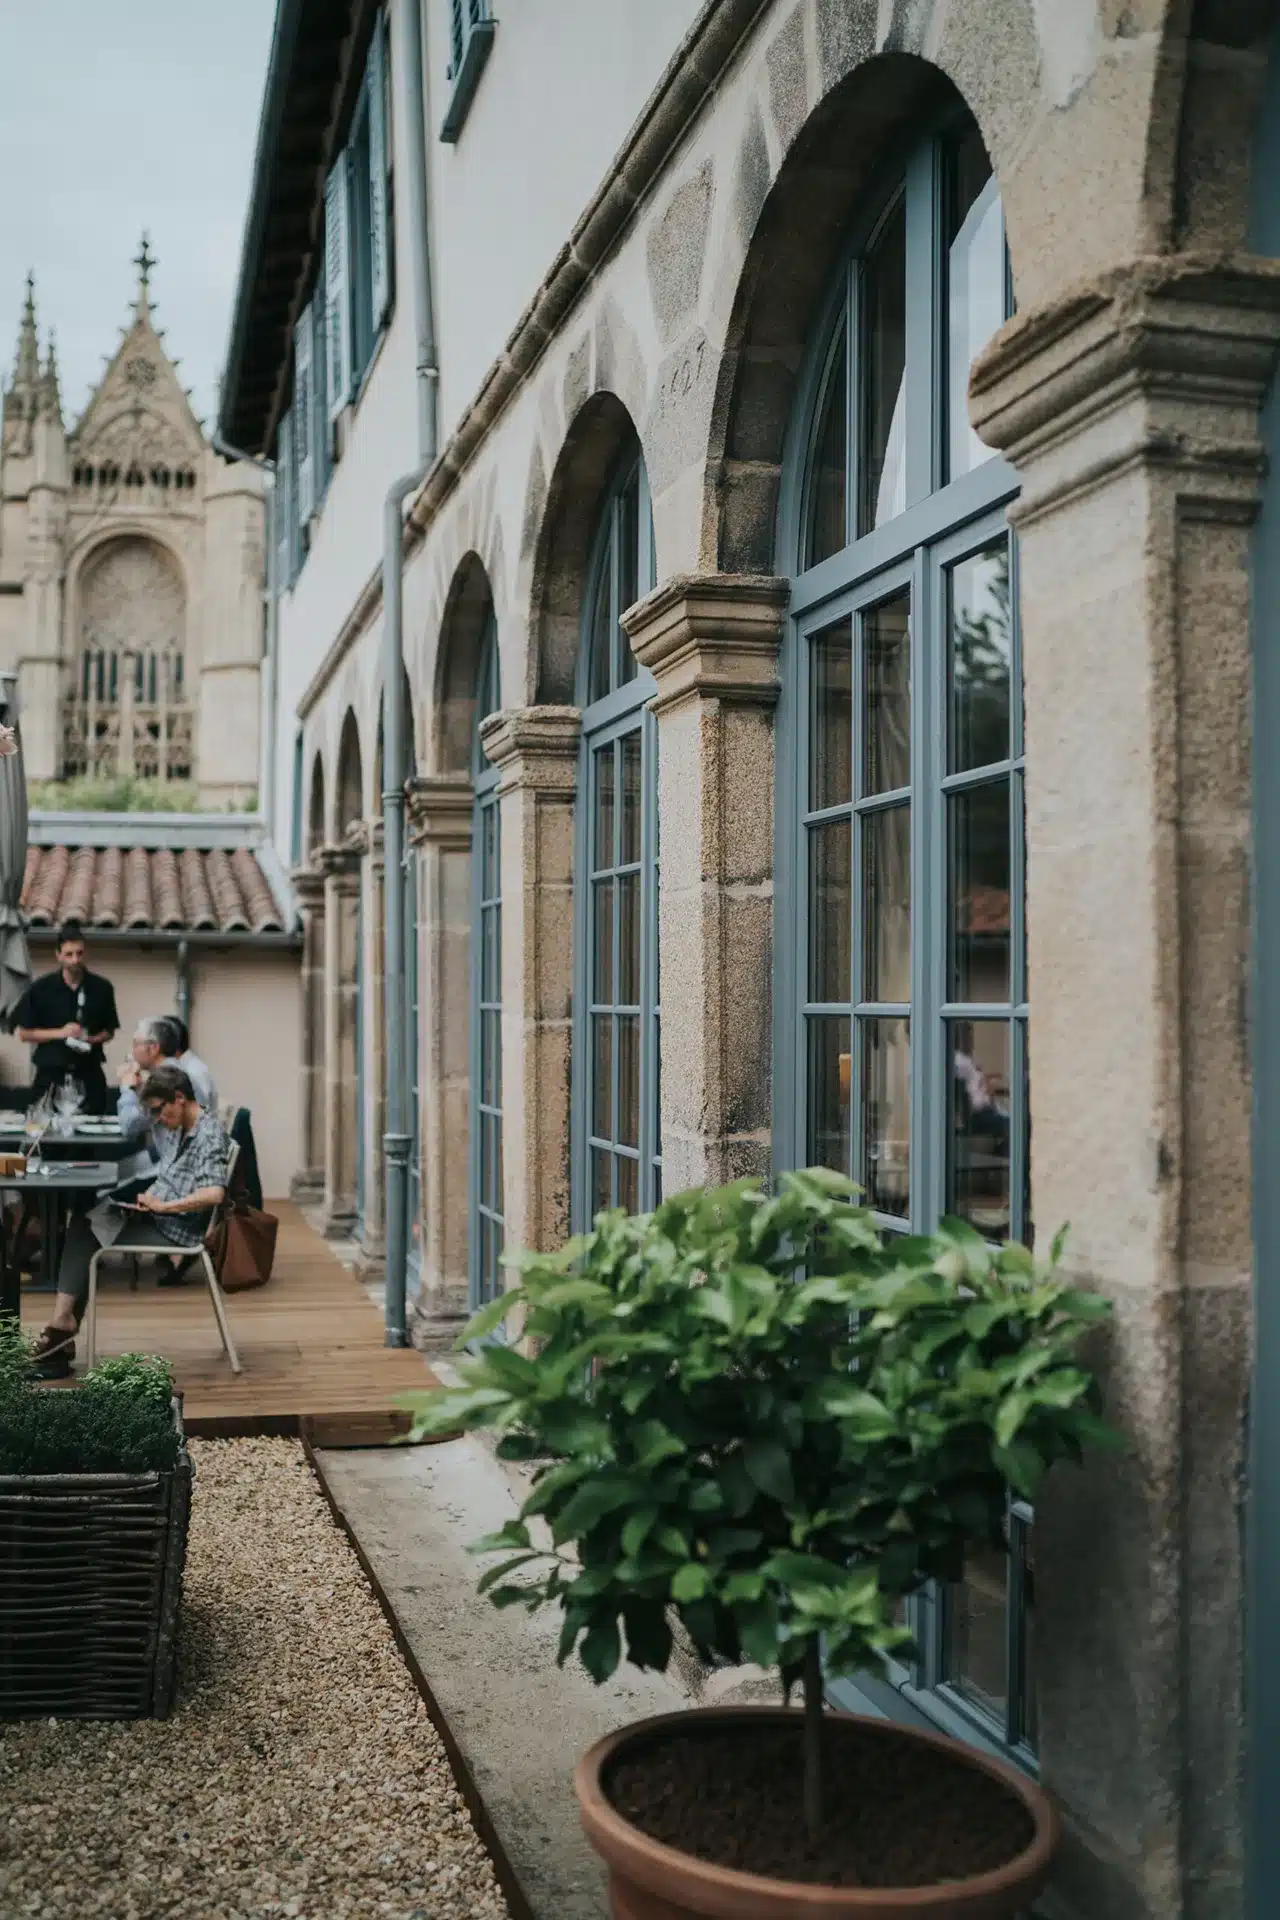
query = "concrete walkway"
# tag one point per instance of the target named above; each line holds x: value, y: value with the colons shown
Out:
x: 519, y: 1721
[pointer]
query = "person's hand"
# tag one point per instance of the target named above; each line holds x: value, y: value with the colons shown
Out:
x: 72, y: 1031
x: 8, y: 742
x: 151, y: 1204
x: 130, y: 1074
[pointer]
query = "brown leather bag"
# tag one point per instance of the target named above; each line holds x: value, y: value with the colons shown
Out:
x: 242, y: 1244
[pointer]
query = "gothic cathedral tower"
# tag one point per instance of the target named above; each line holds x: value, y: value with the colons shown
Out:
x: 131, y: 568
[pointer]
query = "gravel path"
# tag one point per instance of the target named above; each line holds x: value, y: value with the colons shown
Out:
x: 299, y: 1774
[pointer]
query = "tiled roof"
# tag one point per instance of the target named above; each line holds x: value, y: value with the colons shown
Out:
x: 189, y: 890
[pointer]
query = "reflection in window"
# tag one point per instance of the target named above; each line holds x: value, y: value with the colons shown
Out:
x: 617, y: 1151
x: 976, y: 289
x: 883, y: 449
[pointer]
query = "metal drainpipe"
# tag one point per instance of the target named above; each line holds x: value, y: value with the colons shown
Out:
x: 182, y: 982
x: 267, y: 798
x: 398, y: 1138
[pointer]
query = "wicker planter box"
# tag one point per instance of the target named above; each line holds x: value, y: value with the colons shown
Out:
x: 90, y: 1590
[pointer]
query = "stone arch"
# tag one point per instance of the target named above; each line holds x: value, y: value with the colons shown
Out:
x: 410, y: 740
x: 1204, y: 119
x: 348, y: 796
x: 600, y: 432
x: 797, y: 242
x: 315, y: 807
x: 467, y: 613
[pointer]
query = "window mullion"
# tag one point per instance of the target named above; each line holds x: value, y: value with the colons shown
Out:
x: 924, y: 322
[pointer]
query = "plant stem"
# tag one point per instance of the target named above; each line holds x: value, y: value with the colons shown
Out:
x: 813, y: 1738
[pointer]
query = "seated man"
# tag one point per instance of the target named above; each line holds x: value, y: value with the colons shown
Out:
x: 189, y: 1184
x: 193, y: 1066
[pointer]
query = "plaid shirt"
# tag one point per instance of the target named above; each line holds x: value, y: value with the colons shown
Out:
x: 188, y: 1162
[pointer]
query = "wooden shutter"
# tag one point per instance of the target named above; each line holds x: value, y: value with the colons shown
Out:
x: 304, y: 418
x: 337, y: 283
x: 321, y: 451
x: 284, y: 507
x: 379, y: 222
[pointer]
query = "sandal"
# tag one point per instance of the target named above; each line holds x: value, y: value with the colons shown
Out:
x: 53, y: 1353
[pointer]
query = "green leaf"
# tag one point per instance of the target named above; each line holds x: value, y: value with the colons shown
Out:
x: 491, y: 1315
x: 757, y: 1622
x: 513, y: 1534
x: 769, y: 1468
x: 690, y: 1582
x: 603, y: 1494
x: 492, y: 1577
x: 636, y: 1529
x: 601, y: 1651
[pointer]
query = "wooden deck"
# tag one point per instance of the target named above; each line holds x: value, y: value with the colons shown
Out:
x: 310, y: 1343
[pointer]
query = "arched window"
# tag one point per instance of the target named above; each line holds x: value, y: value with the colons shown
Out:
x: 616, y: 1137
x: 486, y: 1231
x: 901, y: 1049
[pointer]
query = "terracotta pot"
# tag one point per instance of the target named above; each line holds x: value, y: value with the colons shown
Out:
x: 650, y: 1881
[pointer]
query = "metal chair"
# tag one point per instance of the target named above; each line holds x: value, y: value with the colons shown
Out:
x: 205, y: 1259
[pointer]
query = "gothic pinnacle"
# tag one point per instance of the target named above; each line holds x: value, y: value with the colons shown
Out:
x: 26, y: 366
x: 144, y: 260
x: 50, y: 393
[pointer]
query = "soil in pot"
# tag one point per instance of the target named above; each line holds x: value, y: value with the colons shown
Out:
x: 899, y: 1814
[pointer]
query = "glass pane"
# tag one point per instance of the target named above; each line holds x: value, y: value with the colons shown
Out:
x: 976, y: 1657
x: 499, y: 1197
x: 886, y: 905
x: 602, y: 1078
x: 1027, y: 1225
x: 603, y: 851
x: 628, y: 1172
x: 601, y: 631
x: 978, y: 1158
x: 628, y: 525
x: 492, y: 1189
x: 601, y: 1179
x: 978, y: 853
x: 490, y: 1058
x: 602, y: 914
x: 885, y: 1173
x: 829, y: 1092
x: 883, y: 308
x: 489, y: 874
x: 628, y: 1114
x: 831, y: 673
x: 1025, y: 1532
x: 490, y: 957
x: 630, y: 745
x: 980, y: 636
x: 886, y: 667
x: 975, y: 288
x: 827, y: 478
x: 830, y: 881
x: 628, y: 939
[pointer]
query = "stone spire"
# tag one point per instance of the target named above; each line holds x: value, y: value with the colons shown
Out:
x: 26, y: 365
x: 50, y: 402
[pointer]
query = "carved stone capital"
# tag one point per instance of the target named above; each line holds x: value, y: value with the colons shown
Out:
x: 357, y: 838
x: 1162, y: 363
x: 710, y: 636
x: 438, y: 808
x: 339, y: 861
x: 308, y: 887
x: 534, y: 747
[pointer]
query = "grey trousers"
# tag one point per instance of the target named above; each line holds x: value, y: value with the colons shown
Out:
x: 82, y: 1243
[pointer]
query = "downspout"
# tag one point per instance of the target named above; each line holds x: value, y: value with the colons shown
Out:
x: 398, y: 1138
x: 267, y: 798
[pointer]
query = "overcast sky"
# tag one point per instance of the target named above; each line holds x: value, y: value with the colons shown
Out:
x: 116, y: 117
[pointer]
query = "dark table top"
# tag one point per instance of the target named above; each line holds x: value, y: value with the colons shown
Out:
x: 66, y: 1176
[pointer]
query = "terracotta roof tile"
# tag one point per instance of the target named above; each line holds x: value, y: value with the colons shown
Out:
x: 192, y: 890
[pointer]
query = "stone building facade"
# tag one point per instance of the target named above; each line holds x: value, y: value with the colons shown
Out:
x: 131, y: 567
x: 832, y: 622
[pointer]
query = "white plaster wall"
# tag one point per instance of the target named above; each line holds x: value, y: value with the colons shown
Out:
x: 564, y: 82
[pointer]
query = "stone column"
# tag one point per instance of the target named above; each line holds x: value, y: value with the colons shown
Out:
x: 711, y: 643
x: 536, y: 752
x: 439, y: 832
x: 341, y: 868
x: 1130, y: 409
x: 309, y: 890
x: 373, y: 1119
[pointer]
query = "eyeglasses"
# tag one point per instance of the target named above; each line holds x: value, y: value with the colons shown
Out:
x: 156, y: 1107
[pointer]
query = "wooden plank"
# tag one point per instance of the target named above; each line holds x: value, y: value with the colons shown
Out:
x: 311, y: 1345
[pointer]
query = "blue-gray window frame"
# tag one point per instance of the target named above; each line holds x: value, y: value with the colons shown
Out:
x: 484, y: 1173
x: 944, y: 521
x: 625, y: 709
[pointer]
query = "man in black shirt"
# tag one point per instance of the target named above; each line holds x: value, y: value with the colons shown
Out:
x: 68, y: 1016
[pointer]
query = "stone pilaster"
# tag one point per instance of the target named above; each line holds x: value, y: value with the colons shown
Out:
x: 1130, y: 409
x: 536, y: 752
x: 439, y: 835
x: 309, y: 891
x: 711, y: 643
x: 373, y: 1119
x: 341, y: 868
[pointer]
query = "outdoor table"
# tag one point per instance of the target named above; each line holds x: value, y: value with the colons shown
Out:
x: 52, y: 1193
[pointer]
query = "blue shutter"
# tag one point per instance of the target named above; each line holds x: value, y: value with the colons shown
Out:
x: 321, y: 449
x: 304, y: 418
x: 337, y: 283
x: 284, y: 519
x: 379, y: 222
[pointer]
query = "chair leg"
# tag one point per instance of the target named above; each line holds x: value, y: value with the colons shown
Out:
x: 91, y: 1312
x: 216, y: 1296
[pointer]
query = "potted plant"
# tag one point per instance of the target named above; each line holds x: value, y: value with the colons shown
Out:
x: 95, y: 1492
x: 758, y: 1414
